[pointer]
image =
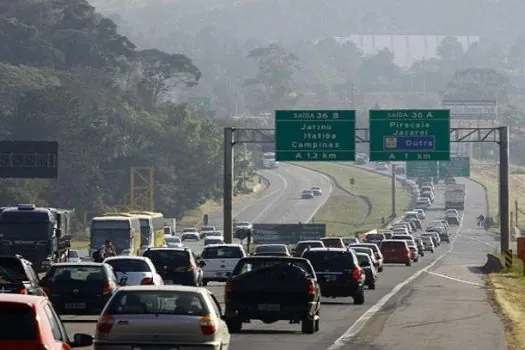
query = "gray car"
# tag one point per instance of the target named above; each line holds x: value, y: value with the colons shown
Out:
x: 428, y: 243
x: 167, y: 317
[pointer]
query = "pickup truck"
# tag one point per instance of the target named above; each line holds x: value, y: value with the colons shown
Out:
x: 272, y: 289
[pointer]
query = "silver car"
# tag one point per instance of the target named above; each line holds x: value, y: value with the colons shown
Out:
x: 167, y: 317
x: 173, y: 242
x: 136, y: 270
x: 428, y: 243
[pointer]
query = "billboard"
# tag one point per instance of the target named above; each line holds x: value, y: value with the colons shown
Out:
x: 471, y: 109
x: 286, y: 233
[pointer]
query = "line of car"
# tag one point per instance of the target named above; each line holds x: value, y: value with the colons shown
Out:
x: 311, y: 193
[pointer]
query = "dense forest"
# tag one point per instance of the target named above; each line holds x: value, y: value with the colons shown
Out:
x: 66, y: 74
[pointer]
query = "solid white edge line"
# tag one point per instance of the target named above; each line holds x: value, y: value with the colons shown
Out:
x: 358, y: 325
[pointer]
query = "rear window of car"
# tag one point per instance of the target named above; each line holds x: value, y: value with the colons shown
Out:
x: 332, y: 261
x: 224, y: 252
x: 11, y: 270
x: 129, y: 265
x: 189, y: 230
x: 393, y: 245
x: 72, y: 274
x: 168, y: 257
x: 375, y: 236
x: 333, y: 242
x: 304, y: 245
x: 158, y: 303
x: 18, y: 322
x: 248, y: 265
x: 271, y: 249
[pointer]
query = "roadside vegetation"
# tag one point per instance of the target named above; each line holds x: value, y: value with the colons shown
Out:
x: 346, y: 214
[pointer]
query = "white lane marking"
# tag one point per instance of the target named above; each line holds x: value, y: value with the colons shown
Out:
x: 283, y: 191
x: 454, y: 279
x: 246, y: 207
x: 356, y: 327
x: 492, y: 245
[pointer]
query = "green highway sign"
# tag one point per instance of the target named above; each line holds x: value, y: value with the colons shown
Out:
x: 422, y: 169
x: 456, y: 167
x: 409, y: 135
x: 313, y: 135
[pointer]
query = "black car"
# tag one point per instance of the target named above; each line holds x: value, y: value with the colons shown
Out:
x: 444, y: 236
x: 338, y: 272
x: 176, y: 265
x: 370, y: 271
x: 271, y: 289
x: 80, y: 288
x: 18, y: 276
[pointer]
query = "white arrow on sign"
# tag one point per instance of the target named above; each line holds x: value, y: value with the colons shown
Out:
x: 392, y: 156
x: 298, y: 156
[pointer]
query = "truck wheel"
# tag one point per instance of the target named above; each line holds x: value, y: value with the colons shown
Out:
x: 234, y: 325
x: 359, y: 298
x: 308, y: 325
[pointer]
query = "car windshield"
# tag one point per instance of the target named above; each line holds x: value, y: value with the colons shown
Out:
x: 271, y: 248
x: 73, y: 254
x: 214, y: 234
x: 128, y: 265
x: 374, y: 237
x: 243, y: 224
x: 172, y: 240
x: 189, y: 230
x: 222, y: 252
x: 393, y: 244
x: 366, y: 251
x: 11, y: 270
x: 304, y: 245
x: 330, y: 260
x: 249, y: 265
x: 372, y: 246
x: 19, y: 322
x: 158, y: 302
x: 75, y: 274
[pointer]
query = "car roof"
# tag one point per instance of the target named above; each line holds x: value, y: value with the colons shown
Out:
x: 392, y: 240
x: 325, y: 238
x: 170, y: 287
x: 284, y: 258
x: 85, y: 264
x: 328, y: 250
x: 311, y: 241
x: 143, y: 258
x: 32, y: 300
x: 224, y: 245
x: 271, y: 245
x: 180, y: 249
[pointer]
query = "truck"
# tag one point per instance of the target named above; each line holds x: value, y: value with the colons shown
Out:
x: 455, y: 196
x: 268, y: 161
x: 40, y: 235
x: 170, y: 226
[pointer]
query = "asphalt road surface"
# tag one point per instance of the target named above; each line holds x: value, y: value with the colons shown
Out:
x: 447, y: 307
x: 337, y: 315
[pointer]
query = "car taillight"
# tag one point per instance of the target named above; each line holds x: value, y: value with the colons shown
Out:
x: 147, y: 280
x: 106, y: 289
x: 208, y: 325
x: 311, y: 288
x: 23, y: 290
x: 356, y: 273
x: 191, y: 268
x: 229, y: 287
x: 105, y: 323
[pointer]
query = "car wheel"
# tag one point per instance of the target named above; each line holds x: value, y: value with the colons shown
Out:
x: 409, y: 263
x: 432, y: 251
x: 380, y: 269
x: 308, y: 325
x: 234, y: 325
x: 204, y: 283
x: 372, y: 286
x: 359, y: 298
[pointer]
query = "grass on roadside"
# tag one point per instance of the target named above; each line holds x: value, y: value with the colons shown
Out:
x: 376, y: 187
x: 490, y: 178
x: 342, y: 214
x: 507, y: 292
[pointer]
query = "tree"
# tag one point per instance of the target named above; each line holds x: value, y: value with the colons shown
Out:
x: 274, y: 86
x: 378, y: 71
x: 161, y: 72
x: 450, y: 49
x: 479, y: 84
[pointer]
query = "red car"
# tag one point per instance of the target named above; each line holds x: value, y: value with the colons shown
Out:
x: 395, y: 252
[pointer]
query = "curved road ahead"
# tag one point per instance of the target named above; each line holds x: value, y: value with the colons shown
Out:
x: 337, y: 315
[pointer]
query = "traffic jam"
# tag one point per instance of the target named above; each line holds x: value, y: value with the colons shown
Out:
x: 146, y: 284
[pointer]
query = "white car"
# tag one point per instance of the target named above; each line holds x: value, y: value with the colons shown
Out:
x: 243, y: 225
x: 73, y: 256
x: 192, y: 236
x: 220, y: 259
x: 173, y: 242
x: 137, y: 270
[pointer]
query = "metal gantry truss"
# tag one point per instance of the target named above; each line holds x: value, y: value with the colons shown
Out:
x: 362, y: 135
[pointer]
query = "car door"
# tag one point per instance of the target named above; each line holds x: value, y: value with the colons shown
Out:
x: 224, y: 332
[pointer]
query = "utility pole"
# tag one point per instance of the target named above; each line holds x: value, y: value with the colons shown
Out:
x: 504, y: 188
x: 393, y: 190
x: 227, y: 203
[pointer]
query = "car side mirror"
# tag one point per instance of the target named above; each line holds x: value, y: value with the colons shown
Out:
x: 81, y: 340
x: 123, y: 281
x: 201, y: 263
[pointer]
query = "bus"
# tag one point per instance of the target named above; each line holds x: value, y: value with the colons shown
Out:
x: 147, y: 233
x: 157, y: 220
x: 40, y: 235
x: 123, y: 230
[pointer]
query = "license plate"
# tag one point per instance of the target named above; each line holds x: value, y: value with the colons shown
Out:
x: 75, y: 306
x: 269, y: 307
x: 330, y: 278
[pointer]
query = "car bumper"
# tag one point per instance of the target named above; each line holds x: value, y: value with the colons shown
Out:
x: 98, y: 345
x: 287, y: 311
x: 338, y: 289
x: 219, y: 276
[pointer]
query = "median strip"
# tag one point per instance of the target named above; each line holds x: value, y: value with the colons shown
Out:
x: 348, y: 215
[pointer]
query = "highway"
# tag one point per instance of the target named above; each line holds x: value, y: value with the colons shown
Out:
x: 337, y: 315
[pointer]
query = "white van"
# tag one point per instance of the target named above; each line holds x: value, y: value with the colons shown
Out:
x: 220, y: 260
